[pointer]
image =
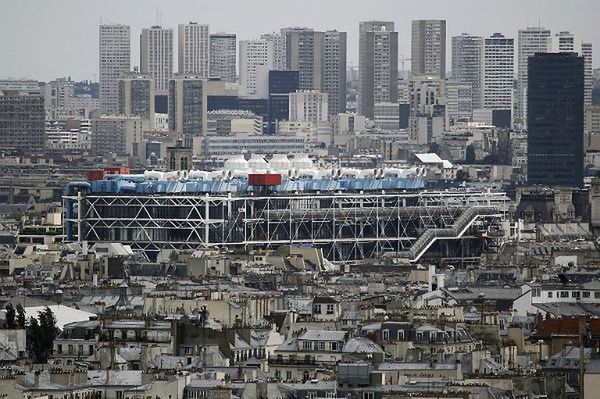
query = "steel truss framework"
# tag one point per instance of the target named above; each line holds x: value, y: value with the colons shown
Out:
x: 346, y: 226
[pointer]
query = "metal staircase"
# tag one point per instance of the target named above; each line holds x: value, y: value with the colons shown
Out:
x: 462, y: 223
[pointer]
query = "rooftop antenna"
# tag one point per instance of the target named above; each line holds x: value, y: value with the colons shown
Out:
x: 157, y: 18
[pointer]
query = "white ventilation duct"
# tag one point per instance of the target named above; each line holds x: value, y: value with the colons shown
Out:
x: 236, y: 162
x: 153, y: 174
x: 350, y: 173
x: 307, y: 174
x: 257, y: 162
x: 198, y: 174
x: 302, y: 161
x: 174, y: 175
x: 280, y: 162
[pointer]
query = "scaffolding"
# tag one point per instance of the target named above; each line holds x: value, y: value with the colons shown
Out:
x: 345, y: 225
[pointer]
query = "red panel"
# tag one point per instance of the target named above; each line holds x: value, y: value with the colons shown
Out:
x: 116, y: 171
x: 264, y: 179
x: 93, y: 175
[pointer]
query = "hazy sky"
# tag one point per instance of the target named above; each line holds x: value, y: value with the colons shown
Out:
x: 45, y: 39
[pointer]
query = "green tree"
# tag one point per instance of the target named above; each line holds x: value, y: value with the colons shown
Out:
x: 10, y: 316
x: 41, y: 335
x: 21, y: 322
x: 470, y: 154
x: 33, y: 339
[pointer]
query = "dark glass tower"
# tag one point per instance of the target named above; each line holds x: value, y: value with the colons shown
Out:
x: 281, y: 84
x: 555, y: 119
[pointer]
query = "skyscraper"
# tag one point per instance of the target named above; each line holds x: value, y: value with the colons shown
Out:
x: 566, y: 42
x: 136, y: 97
x: 156, y: 55
x: 187, y: 107
x: 308, y: 106
x: 555, y: 147
x: 278, y: 40
x: 428, y: 48
x: 114, y: 60
x: 222, y: 56
x: 281, y: 84
x: 304, y: 53
x: 320, y: 59
x: 22, y: 118
x: 378, y: 65
x: 498, y: 72
x: 334, y: 71
x: 257, y: 58
x: 193, y: 44
x: 119, y: 134
x: 531, y: 41
x: 467, y: 53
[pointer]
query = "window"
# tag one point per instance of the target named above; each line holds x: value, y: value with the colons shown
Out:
x: 288, y: 375
x: 386, y: 335
x: 400, y: 335
x: 321, y: 346
x: 597, y: 295
x: 330, y: 308
x: 550, y: 294
x: 368, y: 395
x: 317, y: 308
x: 586, y: 294
x: 119, y: 394
x: 307, y: 345
x: 277, y: 374
x: 575, y: 294
x: 312, y: 395
x: 334, y: 346
x: 564, y: 294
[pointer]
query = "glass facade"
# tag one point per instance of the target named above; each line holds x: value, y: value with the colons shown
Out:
x: 555, y: 119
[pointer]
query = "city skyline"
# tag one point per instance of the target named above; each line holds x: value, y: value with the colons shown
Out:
x: 80, y: 58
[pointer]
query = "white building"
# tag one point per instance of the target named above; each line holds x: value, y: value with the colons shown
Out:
x: 59, y: 93
x: 531, y: 40
x: 257, y: 57
x: 467, y: 51
x: 308, y: 106
x: 498, y: 72
x: 428, y: 118
x: 279, y: 49
x: 114, y: 60
x: 223, y: 56
x: 156, y: 55
x: 349, y: 122
x: 262, y: 144
x: 193, y: 49
x: 161, y: 122
x: 566, y: 42
x: 459, y: 104
x: 387, y: 116
x: 428, y: 48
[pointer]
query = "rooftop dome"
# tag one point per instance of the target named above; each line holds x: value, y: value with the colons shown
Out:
x: 257, y: 161
x: 280, y: 162
x: 361, y: 345
x: 236, y: 162
x: 302, y: 161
